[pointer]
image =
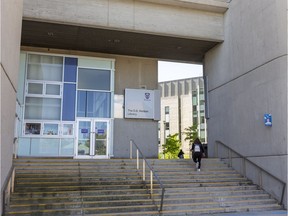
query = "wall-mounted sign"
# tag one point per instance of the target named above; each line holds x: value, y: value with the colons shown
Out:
x: 84, y: 130
x: 268, y: 120
x: 142, y: 104
x: 100, y: 131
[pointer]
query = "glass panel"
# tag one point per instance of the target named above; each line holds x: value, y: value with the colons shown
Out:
x: 42, y: 108
x: 95, y: 79
x: 67, y: 129
x: 94, y: 104
x: 24, y: 146
x: 41, y: 67
x: 84, y: 138
x: 98, y: 104
x: 50, y: 129
x: 52, y: 89
x: 45, y: 147
x: 35, y: 88
x: 67, y: 147
x: 100, y: 147
x: 100, y: 138
x: 81, y: 103
x: 101, y: 130
x: 32, y: 128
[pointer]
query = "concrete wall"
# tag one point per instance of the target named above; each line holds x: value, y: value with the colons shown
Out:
x: 247, y: 76
x: 144, y: 134
x: 10, y: 28
x: 136, y: 16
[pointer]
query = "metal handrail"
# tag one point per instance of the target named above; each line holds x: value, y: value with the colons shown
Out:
x: 8, y: 188
x: 152, y: 173
x: 244, y: 171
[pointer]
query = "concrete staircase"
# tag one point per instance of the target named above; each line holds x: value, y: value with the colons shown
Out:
x: 114, y: 187
x: 215, y: 189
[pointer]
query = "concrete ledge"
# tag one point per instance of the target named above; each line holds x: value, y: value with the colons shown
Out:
x: 217, y: 6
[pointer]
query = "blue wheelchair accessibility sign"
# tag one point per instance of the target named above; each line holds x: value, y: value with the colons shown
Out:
x: 268, y: 120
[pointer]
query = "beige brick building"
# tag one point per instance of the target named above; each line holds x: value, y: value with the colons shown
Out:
x: 182, y: 105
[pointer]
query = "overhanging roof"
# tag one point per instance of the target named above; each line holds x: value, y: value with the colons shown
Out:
x: 70, y: 37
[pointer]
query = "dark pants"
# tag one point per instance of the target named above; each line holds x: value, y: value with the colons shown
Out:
x: 197, y: 156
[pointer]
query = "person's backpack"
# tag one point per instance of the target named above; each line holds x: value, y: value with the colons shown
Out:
x: 197, y: 148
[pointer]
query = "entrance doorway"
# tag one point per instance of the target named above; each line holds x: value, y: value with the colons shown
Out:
x: 92, y: 138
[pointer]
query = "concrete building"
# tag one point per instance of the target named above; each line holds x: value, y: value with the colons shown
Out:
x: 242, y: 45
x: 182, y: 105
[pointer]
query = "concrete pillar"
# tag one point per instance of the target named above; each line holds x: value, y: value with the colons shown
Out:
x: 10, y: 28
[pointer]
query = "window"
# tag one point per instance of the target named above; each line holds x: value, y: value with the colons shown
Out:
x: 50, y: 129
x: 42, y: 108
x: 35, y: 88
x: 32, y: 128
x: 52, y: 89
x: 167, y: 125
x: 44, y: 67
x: 43, y: 87
x: 94, y: 104
x: 94, y: 93
x: 93, y: 79
x: 67, y: 129
x: 166, y: 109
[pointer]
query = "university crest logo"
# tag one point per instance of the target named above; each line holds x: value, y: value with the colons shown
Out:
x: 147, y: 95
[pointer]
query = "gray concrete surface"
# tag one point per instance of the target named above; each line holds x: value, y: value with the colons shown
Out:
x: 265, y: 213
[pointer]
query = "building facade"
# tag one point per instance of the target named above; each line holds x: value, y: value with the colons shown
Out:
x: 241, y: 44
x: 182, y: 105
x: 68, y: 105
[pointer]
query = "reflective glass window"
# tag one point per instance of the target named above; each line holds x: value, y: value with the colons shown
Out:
x: 94, y: 104
x: 94, y: 79
x: 42, y: 108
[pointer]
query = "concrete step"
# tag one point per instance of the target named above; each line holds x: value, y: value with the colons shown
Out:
x: 81, y: 203
x: 220, y: 209
x: 99, y: 186
x: 59, y: 194
x: 81, y: 210
x: 75, y: 180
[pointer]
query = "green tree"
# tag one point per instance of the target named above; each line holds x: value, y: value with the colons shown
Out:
x: 191, y: 133
x: 171, y: 147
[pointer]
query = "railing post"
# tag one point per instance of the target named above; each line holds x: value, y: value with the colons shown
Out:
x: 216, y: 150
x: 144, y: 174
x: 151, y: 182
x: 260, y: 178
x: 244, y: 167
x: 230, y: 158
x: 8, y: 192
x: 137, y: 152
x: 162, y: 197
x: 282, y: 196
x: 131, y: 149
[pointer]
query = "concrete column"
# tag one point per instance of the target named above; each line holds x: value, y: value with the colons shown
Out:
x: 10, y: 28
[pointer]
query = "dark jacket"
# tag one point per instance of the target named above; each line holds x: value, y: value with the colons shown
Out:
x: 197, y: 147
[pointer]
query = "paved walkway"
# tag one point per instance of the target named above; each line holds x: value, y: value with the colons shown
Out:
x: 265, y: 213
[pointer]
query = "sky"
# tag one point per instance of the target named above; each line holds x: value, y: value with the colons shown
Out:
x: 174, y: 71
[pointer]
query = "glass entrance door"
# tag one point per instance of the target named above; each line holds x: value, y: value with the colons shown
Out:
x: 92, y: 140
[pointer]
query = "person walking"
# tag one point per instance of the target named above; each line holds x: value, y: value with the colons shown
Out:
x: 181, y: 154
x: 197, y: 153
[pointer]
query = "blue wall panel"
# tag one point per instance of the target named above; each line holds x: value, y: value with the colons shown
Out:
x: 69, y: 98
x: 70, y: 69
